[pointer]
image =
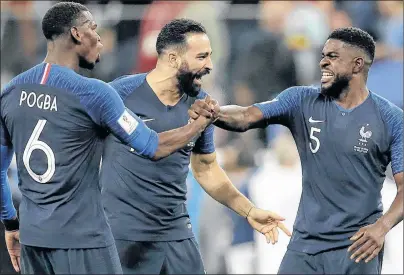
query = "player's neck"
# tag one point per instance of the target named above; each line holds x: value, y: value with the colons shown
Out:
x: 58, y: 53
x: 164, y: 85
x: 353, y: 96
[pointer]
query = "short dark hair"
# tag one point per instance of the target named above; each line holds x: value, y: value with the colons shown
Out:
x: 60, y: 18
x: 174, y: 33
x: 356, y: 37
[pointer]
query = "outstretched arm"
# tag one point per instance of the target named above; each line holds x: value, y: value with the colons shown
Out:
x: 109, y: 111
x: 240, y: 119
x: 232, y: 117
x: 171, y: 141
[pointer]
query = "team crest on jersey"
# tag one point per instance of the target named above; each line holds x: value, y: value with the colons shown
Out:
x: 364, y: 134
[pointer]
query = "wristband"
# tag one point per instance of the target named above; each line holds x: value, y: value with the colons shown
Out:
x: 12, y: 225
x: 249, y: 212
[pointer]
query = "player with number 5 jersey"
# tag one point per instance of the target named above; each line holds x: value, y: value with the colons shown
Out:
x: 55, y: 121
x: 346, y: 136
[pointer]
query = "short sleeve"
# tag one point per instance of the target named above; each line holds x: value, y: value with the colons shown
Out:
x: 205, y: 143
x: 281, y: 109
x: 396, y: 147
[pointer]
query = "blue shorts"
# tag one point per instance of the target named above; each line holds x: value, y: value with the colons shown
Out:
x: 329, y: 262
x: 171, y: 257
x: 39, y: 260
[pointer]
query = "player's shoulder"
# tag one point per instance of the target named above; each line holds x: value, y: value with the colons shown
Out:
x: 29, y: 76
x: 303, y: 91
x: 133, y: 81
x: 386, y: 107
x: 127, y: 84
x: 390, y: 113
x: 309, y: 91
x: 96, y: 88
x: 130, y: 78
x: 95, y: 82
x: 296, y: 95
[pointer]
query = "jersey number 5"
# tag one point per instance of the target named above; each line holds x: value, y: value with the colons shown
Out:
x: 35, y: 143
x: 314, y: 139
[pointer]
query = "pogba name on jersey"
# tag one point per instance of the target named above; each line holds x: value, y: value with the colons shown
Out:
x: 41, y: 101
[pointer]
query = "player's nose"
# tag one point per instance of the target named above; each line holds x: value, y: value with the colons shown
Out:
x: 209, y: 64
x: 324, y: 62
x: 100, y: 45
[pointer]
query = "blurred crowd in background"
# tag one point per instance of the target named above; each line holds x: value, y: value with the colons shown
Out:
x: 259, y: 49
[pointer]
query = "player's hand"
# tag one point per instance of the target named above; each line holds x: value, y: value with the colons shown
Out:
x: 267, y: 223
x: 14, y: 248
x: 368, y: 241
x: 214, y: 107
x: 207, y: 107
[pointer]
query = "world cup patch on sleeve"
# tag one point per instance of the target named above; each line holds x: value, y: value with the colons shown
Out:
x: 128, y: 122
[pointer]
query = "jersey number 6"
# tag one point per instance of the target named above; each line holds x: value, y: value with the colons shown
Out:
x: 315, y: 139
x: 35, y: 143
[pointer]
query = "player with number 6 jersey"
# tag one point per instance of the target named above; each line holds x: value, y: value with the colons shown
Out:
x: 55, y: 121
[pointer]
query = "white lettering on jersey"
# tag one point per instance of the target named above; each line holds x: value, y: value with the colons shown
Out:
x: 128, y: 122
x: 41, y: 101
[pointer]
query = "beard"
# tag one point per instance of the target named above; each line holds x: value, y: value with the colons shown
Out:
x: 186, y: 84
x: 85, y: 64
x: 338, y: 86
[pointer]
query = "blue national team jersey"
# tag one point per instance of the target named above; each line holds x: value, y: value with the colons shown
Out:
x: 145, y: 200
x: 344, y: 155
x: 56, y: 120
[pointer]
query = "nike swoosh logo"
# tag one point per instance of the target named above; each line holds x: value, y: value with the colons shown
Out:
x: 311, y: 120
x: 148, y: 119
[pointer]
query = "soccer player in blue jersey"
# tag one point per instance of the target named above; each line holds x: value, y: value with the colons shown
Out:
x: 145, y: 201
x: 346, y: 136
x: 55, y: 121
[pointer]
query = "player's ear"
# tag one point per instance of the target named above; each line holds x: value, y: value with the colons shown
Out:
x: 75, y: 35
x: 174, y: 60
x: 359, y: 63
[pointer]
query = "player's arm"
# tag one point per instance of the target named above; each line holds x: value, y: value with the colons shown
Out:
x: 369, y: 240
x: 8, y: 214
x: 240, y: 119
x: 395, y: 213
x: 111, y: 113
x: 217, y: 184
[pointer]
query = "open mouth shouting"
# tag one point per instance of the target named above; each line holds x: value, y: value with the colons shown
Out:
x: 198, y: 77
x: 326, y: 76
